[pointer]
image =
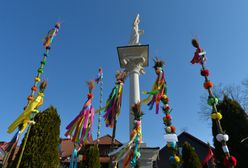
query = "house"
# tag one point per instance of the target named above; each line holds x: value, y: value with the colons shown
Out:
x: 148, y: 154
x: 105, y: 147
x: 200, y: 147
x: 3, y: 146
x: 66, y: 148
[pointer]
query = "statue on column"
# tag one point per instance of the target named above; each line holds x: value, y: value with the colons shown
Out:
x: 136, y: 32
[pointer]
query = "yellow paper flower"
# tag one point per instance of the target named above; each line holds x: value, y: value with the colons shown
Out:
x: 37, y: 79
x: 216, y: 116
x: 177, y: 159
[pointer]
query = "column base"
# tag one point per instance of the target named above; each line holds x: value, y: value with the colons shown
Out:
x: 148, y: 157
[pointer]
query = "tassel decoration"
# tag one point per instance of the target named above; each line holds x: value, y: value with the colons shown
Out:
x: 79, y: 129
x: 113, y: 105
x: 130, y: 152
x: 159, y: 88
x: 199, y: 56
x: 73, y: 159
x: 48, y: 39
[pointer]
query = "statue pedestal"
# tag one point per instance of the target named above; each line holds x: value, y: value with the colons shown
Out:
x: 148, y: 157
x: 128, y: 54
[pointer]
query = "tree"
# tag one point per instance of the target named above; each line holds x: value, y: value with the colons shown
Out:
x: 91, y: 157
x: 234, y: 92
x: 235, y: 124
x: 84, y: 151
x: 189, y: 157
x: 43, y: 141
x: 94, y: 157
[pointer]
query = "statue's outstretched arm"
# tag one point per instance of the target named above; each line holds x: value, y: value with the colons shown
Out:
x: 141, y: 31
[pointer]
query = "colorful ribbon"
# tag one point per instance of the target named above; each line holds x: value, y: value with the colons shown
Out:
x: 130, y: 152
x: 79, y: 129
x: 73, y: 159
x: 113, y: 105
x: 48, y: 39
x: 134, y: 153
x: 158, y: 89
x: 159, y: 93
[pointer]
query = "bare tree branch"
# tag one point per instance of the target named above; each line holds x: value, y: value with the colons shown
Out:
x: 235, y: 92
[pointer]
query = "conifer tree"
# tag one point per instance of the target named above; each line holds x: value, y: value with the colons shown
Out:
x: 43, y: 142
x: 235, y: 123
x: 190, y: 157
x: 91, y: 157
x: 84, y: 163
x: 94, y: 157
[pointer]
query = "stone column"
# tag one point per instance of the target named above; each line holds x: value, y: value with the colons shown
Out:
x: 134, y: 71
x: 133, y: 59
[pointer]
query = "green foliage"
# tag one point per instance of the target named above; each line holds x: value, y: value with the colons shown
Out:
x: 91, y: 157
x: 235, y: 124
x: 41, y: 150
x: 94, y: 157
x: 189, y: 157
x: 84, y: 163
x: 137, y: 164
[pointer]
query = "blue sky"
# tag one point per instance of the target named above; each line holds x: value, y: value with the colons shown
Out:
x: 91, y: 31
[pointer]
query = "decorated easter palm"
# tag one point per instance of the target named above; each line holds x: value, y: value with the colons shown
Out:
x: 34, y: 103
x: 158, y: 91
x: 80, y: 127
x: 130, y: 152
x: 200, y: 58
x: 113, y: 105
x: 26, y: 117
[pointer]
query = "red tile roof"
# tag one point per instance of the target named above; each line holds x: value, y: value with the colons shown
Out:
x: 16, y: 150
x: 104, y: 159
x: 67, y: 145
x: 106, y: 140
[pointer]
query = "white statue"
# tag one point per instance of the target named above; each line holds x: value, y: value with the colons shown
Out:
x: 136, y: 32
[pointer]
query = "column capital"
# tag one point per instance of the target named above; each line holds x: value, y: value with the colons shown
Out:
x: 134, y: 66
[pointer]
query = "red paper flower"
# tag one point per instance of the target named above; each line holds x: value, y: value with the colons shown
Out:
x: 173, y: 129
x: 30, y: 98
x: 34, y: 88
x: 168, y: 117
x: 90, y: 95
x: 208, y: 85
x: 228, y: 161
x: 204, y: 72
